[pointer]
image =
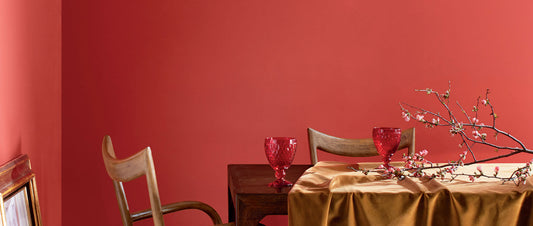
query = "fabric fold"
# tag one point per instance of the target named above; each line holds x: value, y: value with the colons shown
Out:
x: 330, y: 193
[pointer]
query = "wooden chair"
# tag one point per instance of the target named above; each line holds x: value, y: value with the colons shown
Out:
x: 353, y: 147
x: 124, y: 170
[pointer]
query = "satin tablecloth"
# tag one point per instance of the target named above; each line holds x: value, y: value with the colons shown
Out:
x: 331, y: 194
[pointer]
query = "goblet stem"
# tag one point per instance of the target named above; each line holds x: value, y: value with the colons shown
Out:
x: 280, y: 174
x: 280, y: 179
x: 386, y: 161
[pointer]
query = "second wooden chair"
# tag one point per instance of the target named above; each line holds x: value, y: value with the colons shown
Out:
x: 352, y: 147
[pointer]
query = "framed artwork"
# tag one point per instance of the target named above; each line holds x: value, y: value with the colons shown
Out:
x: 17, y: 209
x: 19, y: 204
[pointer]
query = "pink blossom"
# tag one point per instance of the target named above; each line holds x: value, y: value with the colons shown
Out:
x: 406, y: 117
x: 471, y: 178
x: 496, y: 169
x: 463, y: 156
x: 424, y: 152
x: 476, y: 134
x: 484, y: 102
x: 435, y: 121
x: 475, y: 120
x: 479, y: 169
x: 420, y: 117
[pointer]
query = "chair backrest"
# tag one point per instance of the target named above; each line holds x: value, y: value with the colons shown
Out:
x: 124, y: 170
x: 353, y: 147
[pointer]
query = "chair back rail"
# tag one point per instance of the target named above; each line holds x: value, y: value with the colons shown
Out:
x: 352, y: 147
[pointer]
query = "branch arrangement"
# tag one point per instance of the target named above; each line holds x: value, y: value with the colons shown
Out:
x: 470, y: 130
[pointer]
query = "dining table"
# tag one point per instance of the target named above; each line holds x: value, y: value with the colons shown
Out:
x: 249, y: 196
x: 333, y: 193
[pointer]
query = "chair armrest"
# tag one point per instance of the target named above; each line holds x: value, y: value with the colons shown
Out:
x: 177, y: 206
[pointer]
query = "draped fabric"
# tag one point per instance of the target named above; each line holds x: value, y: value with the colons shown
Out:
x: 330, y: 193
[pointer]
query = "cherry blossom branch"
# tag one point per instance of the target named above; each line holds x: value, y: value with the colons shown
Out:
x: 416, y: 164
x: 458, y: 127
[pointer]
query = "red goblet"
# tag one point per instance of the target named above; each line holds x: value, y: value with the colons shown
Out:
x: 386, y: 141
x: 280, y: 153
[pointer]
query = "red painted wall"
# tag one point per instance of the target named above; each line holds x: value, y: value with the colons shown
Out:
x: 30, y: 94
x: 203, y: 82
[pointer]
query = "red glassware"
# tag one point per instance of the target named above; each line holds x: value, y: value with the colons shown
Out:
x: 280, y: 153
x: 387, y: 141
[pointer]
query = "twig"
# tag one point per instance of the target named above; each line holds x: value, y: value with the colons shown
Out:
x: 457, y: 127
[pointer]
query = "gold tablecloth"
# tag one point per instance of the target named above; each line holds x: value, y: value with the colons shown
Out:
x: 331, y: 194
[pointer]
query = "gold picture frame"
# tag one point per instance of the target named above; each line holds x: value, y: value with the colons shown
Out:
x: 19, y: 203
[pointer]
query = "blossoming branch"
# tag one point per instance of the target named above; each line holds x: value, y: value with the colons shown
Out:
x: 471, y: 131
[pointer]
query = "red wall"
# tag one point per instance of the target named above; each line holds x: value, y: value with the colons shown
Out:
x: 30, y: 94
x: 203, y: 82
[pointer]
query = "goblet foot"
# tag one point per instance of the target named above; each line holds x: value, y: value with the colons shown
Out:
x: 280, y: 183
